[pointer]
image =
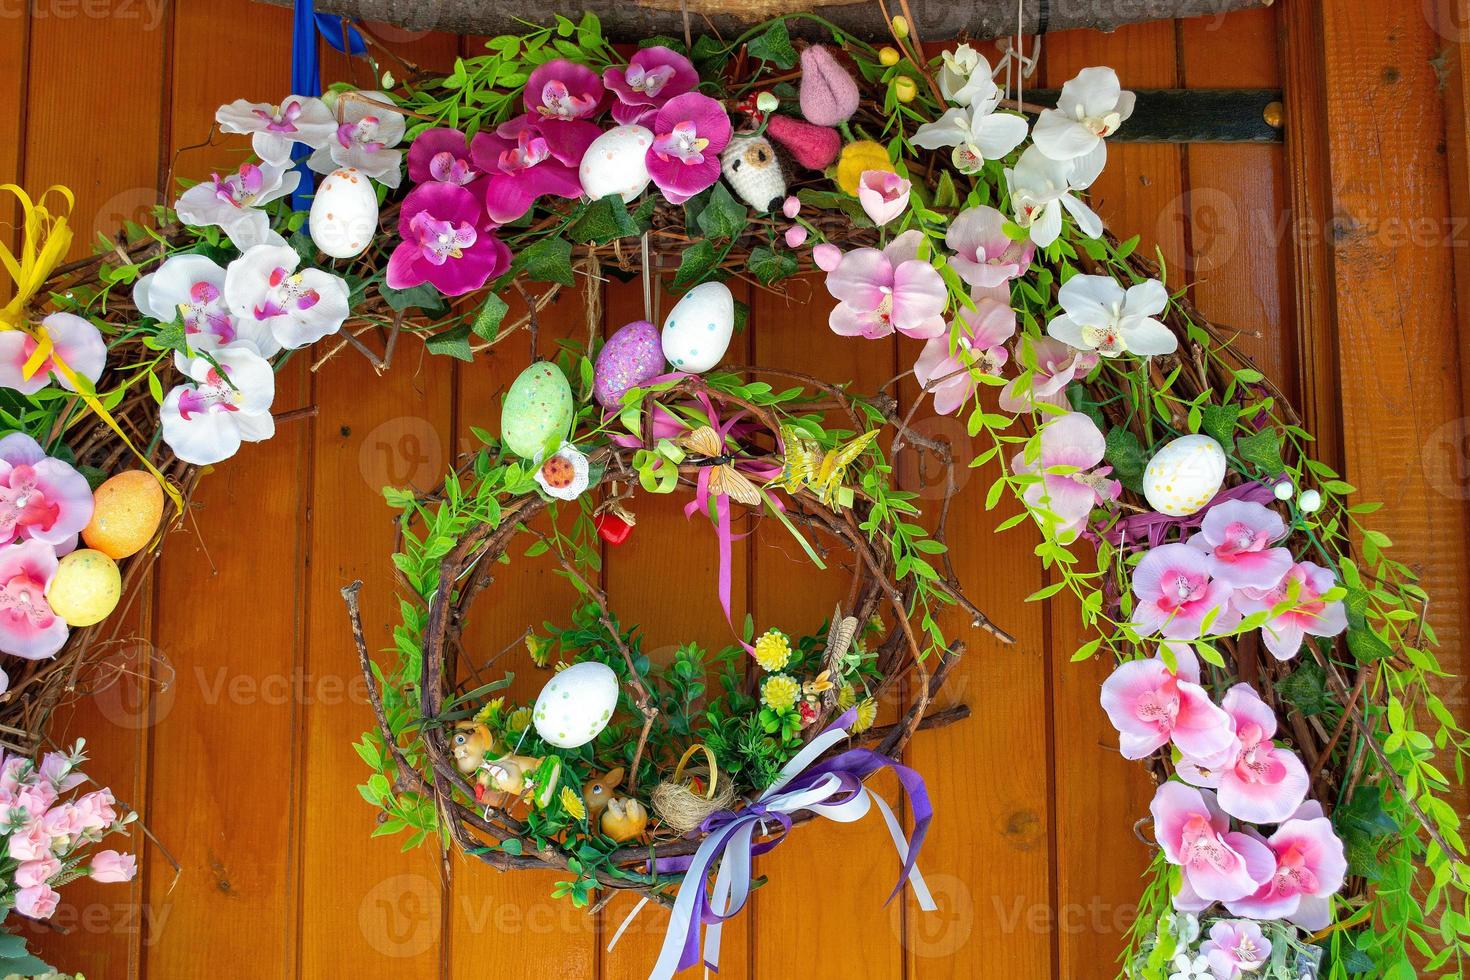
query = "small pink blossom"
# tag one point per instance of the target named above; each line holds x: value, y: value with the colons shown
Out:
x: 979, y: 346
x: 826, y: 256
x: 58, y: 769
x: 1257, y: 781
x: 1310, y: 614
x: 983, y: 254
x: 63, y: 823
x: 111, y: 867
x: 37, y: 901
x: 36, y: 799
x: 1237, y: 535
x: 28, y: 627
x: 795, y: 236
x: 883, y: 194
x: 880, y: 292
x: 1309, y: 869
x: 1218, y: 864
x: 1151, y: 705
x: 1235, y: 947
x: 791, y: 207
x: 1070, y: 440
x: 31, y: 873
x: 95, y: 810
x: 1175, y: 594
x: 29, y: 843
x: 1057, y: 366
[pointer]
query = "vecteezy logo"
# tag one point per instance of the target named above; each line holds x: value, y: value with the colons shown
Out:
x: 402, y: 452
x: 399, y: 916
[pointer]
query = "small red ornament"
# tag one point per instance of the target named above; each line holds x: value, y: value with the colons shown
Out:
x: 808, y: 713
x: 612, y: 528
x: 747, y: 105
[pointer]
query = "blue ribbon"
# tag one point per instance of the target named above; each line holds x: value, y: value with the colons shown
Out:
x: 306, y: 74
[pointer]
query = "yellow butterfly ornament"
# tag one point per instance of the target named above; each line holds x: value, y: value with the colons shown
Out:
x: 807, y: 465
x: 724, y: 479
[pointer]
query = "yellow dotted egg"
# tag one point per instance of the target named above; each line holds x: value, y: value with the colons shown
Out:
x: 86, y: 588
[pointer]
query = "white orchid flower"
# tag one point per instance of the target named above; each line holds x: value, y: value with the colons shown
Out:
x: 365, y: 139
x: 1091, y: 108
x: 978, y: 133
x: 280, y: 307
x: 206, y: 419
x: 1098, y: 314
x: 274, y: 128
x: 1041, y: 188
x: 234, y: 202
x: 965, y: 77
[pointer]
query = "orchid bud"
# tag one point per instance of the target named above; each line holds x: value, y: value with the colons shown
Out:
x: 1310, y: 502
x: 1284, y: 490
x: 828, y: 94
x: 888, y: 56
x: 767, y: 102
x: 900, y: 27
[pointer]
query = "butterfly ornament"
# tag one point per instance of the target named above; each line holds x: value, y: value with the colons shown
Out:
x: 822, y: 472
x: 707, y: 449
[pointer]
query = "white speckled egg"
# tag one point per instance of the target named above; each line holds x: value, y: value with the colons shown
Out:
x: 1184, y: 475
x: 615, y: 163
x: 576, y: 704
x: 344, y: 214
x: 698, y: 328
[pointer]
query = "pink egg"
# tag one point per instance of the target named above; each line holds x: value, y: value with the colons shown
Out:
x: 632, y: 357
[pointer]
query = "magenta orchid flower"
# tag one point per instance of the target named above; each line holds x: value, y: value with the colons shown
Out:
x: 1176, y: 592
x: 653, y: 76
x: 689, y: 132
x: 275, y: 128
x: 206, y: 418
x: 1070, y: 440
x: 1309, y: 867
x: 279, y: 306
x: 444, y: 243
x: 1218, y: 864
x: 1304, y: 584
x: 40, y: 497
x: 883, y: 195
x: 979, y: 347
x: 1151, y: 706
x: 1057, y: 366
x: 443, y: 155
x: 1237, y: 536
x: 1256, y: 781
x: 233, y: 202
x: 983, y: 255
x: 28, y: 627
x: 1235, y: 947
x: 364, y: 139
x: 523, y: 165
x: 74, y: 340
x: 561, y: 98
x: 880, y: 292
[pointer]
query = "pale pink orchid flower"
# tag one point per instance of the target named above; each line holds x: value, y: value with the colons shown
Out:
x: 1070, y: 440
x: 1238, y: 535
x: 1309, y: 868
x: 73, y: 339
x: 28, y: 627
x: 40, y: 497
x: 1310, y: 614
x: 1057, y: 365
x: 1235, y: 948
x: 1176, y: 593
x: 37, y: 901
x: 883, y: 194
x: 37, y: 872
x: 1257, y: 781
x: 111, y: 867
x: 983, y: 255
x: 880, y: 292
x: 1151, y: 706
x: 979, y: 346
x: 274, y: 129
x: 1219, y: 864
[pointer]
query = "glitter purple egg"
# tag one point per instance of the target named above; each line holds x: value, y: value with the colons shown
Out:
x: 632, y: 357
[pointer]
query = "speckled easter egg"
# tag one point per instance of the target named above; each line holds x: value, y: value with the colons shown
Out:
x: 1184, y: 475
x: 344, y: 214
x: 614, y: 163
x: 538, y: 410
x: 576, y: 704
x: 85, y: 589
x: 125, y: 513
x: 698, y: 329
x: 631, y: 358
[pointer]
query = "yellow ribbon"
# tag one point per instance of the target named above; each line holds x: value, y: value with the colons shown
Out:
x: 44, y: 243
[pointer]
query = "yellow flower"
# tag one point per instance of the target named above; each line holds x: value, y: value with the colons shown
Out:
x: 539, y: 648
x: 572, y: 803
x: 888, y: 56
x: 772, y: 650
x: 858, y: 157
x: 486, y: 714
x: 867, y: 713
x: 905, y: 88
x: 518, y: 721
x: 846, y: 697
x: 779, y: 692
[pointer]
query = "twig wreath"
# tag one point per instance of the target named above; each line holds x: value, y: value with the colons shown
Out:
x: 1274, y: 665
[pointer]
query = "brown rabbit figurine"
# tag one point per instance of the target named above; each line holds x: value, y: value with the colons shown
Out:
x: 597, y: 791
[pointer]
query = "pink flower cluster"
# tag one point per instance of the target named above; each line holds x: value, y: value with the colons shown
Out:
x: 1233, y: 567
x: 48, y: 836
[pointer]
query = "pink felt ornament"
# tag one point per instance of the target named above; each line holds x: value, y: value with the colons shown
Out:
x: 828, y: 94
x: 813, y: 147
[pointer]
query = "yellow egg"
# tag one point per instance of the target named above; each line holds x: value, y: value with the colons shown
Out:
x: 86, y: 588
x: 126, y: 511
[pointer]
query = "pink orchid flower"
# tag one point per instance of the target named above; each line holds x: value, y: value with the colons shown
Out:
x: 75, y: 340
x: 37, y: 901
x: 1235, y: 947
x: 561, y: 98
x: 1057, y: 365
x: 883, y: 195
x: 1256, y: 781
x: 1070, y: 440
x: 28, y: 627
x: 689, y: 133
x: 653, y: 76
x: 978, y: 346
x: 443, y: 243
x: 880, y: 292
x: 443, y: 155
x: 275, y: 128
x: 1310, y: 615
x: 1309, y: 867
x: 983, y: 254
x: 40, y: 497
x: 364, y: 139
x: 524, y: 165
x: 1151, y: 706
x: 233, y: 202
x: 278, y: 306
x: 1176, y: 592
x: 1237, y: 535
x: 1219, y: 864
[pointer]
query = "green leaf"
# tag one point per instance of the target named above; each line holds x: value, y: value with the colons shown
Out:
x: 1218, y: 422
x: 603, y: 221
x: 1306, y: 689
x: 723, y: 216
x: 454, y: 342
x: 945, y: 195
x: 774, y: 46
x: 423, y: 296
x: 771, y: 267
x: 1262, y: 450
x: 696, y: 263
x: 1125, y: 455
x: 488, y: 320
x: 1366, y: 645
x: 549, y: 260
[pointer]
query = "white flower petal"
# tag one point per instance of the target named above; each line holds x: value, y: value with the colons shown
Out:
x: 950, y: 129
x: 1148, y: 298
x: 204, y: 437
x: 1087, y: 220
x: 998, y: 134
x: 1147, y: 337
x: 1061, y: 138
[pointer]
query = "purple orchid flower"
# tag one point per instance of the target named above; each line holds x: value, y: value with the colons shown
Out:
x: 444, y: 242
x: 653, y: 77
x: 522, y: 165
x: 689, y: 132
x: 443, y: 155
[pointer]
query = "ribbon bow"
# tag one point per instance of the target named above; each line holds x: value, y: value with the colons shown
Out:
x: 45, y: 238
x: 833, y: 789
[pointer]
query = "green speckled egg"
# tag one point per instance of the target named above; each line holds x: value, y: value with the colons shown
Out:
x: 538, y: 410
